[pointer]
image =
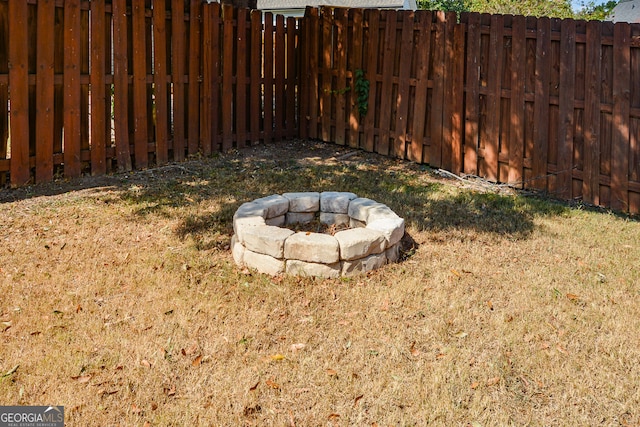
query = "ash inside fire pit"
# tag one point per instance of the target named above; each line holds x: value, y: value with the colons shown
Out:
x: 328, y: 234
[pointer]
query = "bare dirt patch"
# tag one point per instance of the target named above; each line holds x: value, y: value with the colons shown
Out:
x: 120, y: 301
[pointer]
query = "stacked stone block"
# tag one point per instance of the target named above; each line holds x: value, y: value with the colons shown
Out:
x: 261, y: 243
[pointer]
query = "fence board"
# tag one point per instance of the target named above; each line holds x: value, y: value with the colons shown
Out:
x: 621, y: 98
x: 98, y: 89
x: 291, y: 79
x: 591, y: 170
x: 517, y: 106
x: 227, y: 77
x: 140, y: 137
x: 402, y: 99
x: 72, y: 96
x: 456, y: 83
x: 255, y: 87
x: 340, y: 59
x: 160, y: 82
x: 357, y: 31
x: 268, y: 76
x: 279, y: 79
x: 494, y: 72
x: 386, y: 94
x: 196, y: 123
x: 120, y: 81
x: 423, y: 51
x: 312, y: 44
x: 541, y: 104
x: 178, y: 56
x: 19, y: 89
x: 373, y: 16
x: 437, y: 97
x: 241, y: 78
x: 44, y: 91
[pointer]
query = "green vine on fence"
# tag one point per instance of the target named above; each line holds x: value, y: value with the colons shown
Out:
x: 361, y: 87
x: 362, y: 92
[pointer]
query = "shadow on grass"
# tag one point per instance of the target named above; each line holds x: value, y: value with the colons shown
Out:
x: 427, y: 203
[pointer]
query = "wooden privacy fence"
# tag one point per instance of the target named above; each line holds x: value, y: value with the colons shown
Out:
x: 540, y: 103
x: 92, y: 86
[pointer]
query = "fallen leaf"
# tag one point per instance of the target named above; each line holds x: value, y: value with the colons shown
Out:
x: 414, y: 351
x: 154, y: 406
x: 145, y: 363
x: 460, y: 334
x: 5, y: 325
x: 357, y: 399
x: 272, y: 384
x: 191, y: 350
x: 490, y: 305
x: 298, y: 346
x: 474, y: 385
x: 493, y: 381
x: 333, y: 417
x: 82, y: 379
x: 254, y: 387
x: 78, y: 308
x: 251, y: 410
x: 573, y: 297
x: 562, y: 349
x: 332, y: 372
x: 135, y: 409
x: 385, y: 305
x: 170, y: 391
x: 277, y: 357
x: 197, y: 361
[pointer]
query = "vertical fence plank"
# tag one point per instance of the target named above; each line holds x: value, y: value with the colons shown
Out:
x: 437, y: 100
x: 327, y: 48
x: 402, y: 99
x: 541, y: 105
x: 268, y: 77
x: 160, y: 81
x: 456, y: 82
x: 423, y: 51
x: 292, y: 89
x: 4, y: 92
x: 19, y: 89
x: 312, y: 43
x: 255, y: 87
x: 517, y: 107
x: 621, y: 106
x: 85, y: 115
x: 356, y: 65
x: 241, y: 78
x: 563, y: 182
x: 472, y: 97
x: 44, y: 91
x: 386, y: 91
x: 71, y: 78
x: 120, y: 80
x: 195, y: 124
x: 591, y: 171
x: 302, y: 63
x: 210, y: 57
x: 279, y: 81
x: 177, y: 77
x: 340, y: 59
x: 98, y: 89
x: 140, y: 137
x: 493, y: 98
x: 373, y: 18
x: 227, y: 77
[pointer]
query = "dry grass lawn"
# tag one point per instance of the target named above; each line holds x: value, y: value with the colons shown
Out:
x: 119, y: 299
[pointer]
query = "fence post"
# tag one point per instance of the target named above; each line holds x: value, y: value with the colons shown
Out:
x: 44, y: 91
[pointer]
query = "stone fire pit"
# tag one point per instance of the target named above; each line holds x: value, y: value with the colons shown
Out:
x: 262, y: 241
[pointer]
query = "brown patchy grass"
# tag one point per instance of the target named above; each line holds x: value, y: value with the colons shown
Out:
x: 120, y: 301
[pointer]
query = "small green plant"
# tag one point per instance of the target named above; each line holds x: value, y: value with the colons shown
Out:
x: 362, y: 92
x: 361, y: 86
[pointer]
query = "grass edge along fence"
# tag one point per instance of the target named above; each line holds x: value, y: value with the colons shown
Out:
x: 537, y: 103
